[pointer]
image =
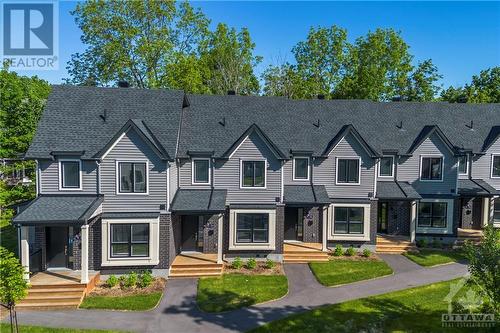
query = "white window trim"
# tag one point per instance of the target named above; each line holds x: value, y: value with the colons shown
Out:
x: 449, y: 218
x: 337, y: 170
x: 270, y: 245
x: 154, y: 241
x: 467, y: 165
x: 61, y: 188
x: 442, y: 169
x: 491, y: 167
x: 365, y: 236
x: 265, y: 173
x: 392, y: 169
x: 193, y: 180
x: 308, y: 168
x: 117, y: 176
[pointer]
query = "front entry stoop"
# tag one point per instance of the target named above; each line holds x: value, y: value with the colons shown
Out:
x: 194, y: 265
x: 394, y: 244
x: 300, y: 253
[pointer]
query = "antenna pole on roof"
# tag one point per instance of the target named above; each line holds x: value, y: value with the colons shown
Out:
x: 103, y: 116
x: 223, y: 121
x: 400, y: 125
x: 471, y: 126
x: 317, y: 124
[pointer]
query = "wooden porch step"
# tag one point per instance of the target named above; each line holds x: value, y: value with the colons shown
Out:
x: 59, y: 286
x: 214, y: 265
x: 303, y: 260
x: 52, y: 298
x: 309, y: 254
x: 48, y: 305
x: 52, y: 291
x: 193, y: 275
x: 196, y: 270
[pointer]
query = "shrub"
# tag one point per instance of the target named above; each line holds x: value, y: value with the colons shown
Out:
x: 251, y: 263
x: 145, y: 279
x: 237, y: 263
x: 367, y: 253
x: 112, y: 281
x: 338, y: 251
x: 131, y: 280
x: 437, y: 243
x: 350, y: 251
x: 270, y: 264
x: 421, y: 243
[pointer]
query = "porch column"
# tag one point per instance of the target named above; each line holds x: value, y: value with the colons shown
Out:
x: 84, y: 233
x: 220, y: 237
x: 324, y: 247
x: 413, y: 220
x: 25, y: 252
x: 486, y: 211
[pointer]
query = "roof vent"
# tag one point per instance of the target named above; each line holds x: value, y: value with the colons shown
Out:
x: 400, y: 125
x: 231, y: 92
x: 317, y: 124
x: 321, y: 96
x: 103, y: 116
x: 223, y: 121
x: 123, y: 84
x: 471, y: 125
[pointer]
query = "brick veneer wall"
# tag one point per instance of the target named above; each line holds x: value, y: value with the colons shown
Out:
x: 77, y: 249
x: 40, y: 243
x: 467, y: 209
x: 312, y: 225
x: 210, y: 234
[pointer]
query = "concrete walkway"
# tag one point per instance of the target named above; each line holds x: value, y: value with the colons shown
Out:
x: 178, y: 312
x: 399, y: 263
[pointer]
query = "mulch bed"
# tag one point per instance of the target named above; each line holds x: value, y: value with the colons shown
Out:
x: 259, y: 270
x: 102, y: 290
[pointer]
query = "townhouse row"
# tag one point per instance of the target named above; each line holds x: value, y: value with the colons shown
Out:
x: 128, y: 179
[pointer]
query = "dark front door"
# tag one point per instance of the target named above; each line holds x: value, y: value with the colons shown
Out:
x: 189, y: 233
x: 383, y: 217
x: 477, y: 209
x: 57, y: 242
x: 294, y: 220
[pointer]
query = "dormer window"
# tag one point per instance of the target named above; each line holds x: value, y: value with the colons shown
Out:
x: 300, y: 168
x: 70, y: 174
x: 431, y: 168
x: 348, y: 171
x: 132, y: 177
x: 386, y: 167
x: 253, y: 174
x: 201, y: 171
x: 463, y: 165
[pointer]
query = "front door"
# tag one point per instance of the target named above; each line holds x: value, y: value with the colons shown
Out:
x: 294, y: 219
x: 57, y: 242
x: 477, y: 207
x: 383, y: 217
x: 190, y: 232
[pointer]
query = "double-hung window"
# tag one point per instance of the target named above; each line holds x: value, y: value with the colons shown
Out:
x: 432, y: 214
x: 386, y: 166
x: 253, y: 174
x: 301, y: 168
x: 201, y: 171
x: 495, y: 166
x: 132, y: 177
x: 463, y: 167
x: 252, y: 228
x: 431, y: 168
x: 129, y: 240
x: 348, y: 220
x: 348, y: 171
x: 70, y: 175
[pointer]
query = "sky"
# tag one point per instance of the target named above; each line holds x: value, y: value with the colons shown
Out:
x: 461, y: 38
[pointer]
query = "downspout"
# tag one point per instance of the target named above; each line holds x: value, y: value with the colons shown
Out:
x: 168, y: 187
x: 37, y: 178
x: 281, y: 181
x: 377, y: 161
x: 98, y: 163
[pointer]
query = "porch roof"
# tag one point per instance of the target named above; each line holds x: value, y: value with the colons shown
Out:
x: 59, y: 209
x: 394, y: 190
x: 199, y: 201
x: 305, y: 194
x: 475, y: 187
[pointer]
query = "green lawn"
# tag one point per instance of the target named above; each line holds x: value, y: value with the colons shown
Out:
x: 342, y: 271
x: 232, y: 291
x: 38, y: 329
x: 411, y: 310
x: 8, y: 235
x: 430, y: 257
x: 133, y: 303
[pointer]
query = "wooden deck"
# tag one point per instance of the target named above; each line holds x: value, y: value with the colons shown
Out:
x: 298, y: 252
x: 396, y: 244
x: 192, y: 265
x: 59, y: 289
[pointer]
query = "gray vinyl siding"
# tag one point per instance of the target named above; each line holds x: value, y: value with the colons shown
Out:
x: 185, y: 176
x: 409, y: 168
x: 288, y: 174
x: 133, y: 148
x: 324, y: 171
x: 173, y: 179
x: 481, y: 166
x: 49, y: 176
x: 227, y: 173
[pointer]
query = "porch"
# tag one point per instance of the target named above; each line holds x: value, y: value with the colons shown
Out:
x: 56, y: 289
x: 299, y: 252
x: 195, y: 264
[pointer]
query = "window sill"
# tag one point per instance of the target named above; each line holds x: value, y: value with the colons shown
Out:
x: 431, y: 230
x: 129, y: 262
x: 360, y: 237
x: 252, y: 246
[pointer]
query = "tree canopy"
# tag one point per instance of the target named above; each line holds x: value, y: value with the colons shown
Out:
x: 484, y: 88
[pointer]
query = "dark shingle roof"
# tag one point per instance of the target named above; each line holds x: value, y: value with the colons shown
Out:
x: 59, y: 209
x: 305, y: 194
x: 393, y: 190
x: 71, y: 120
x: 293, y: 124
x: 191, y: 200
x: 475, y: 187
